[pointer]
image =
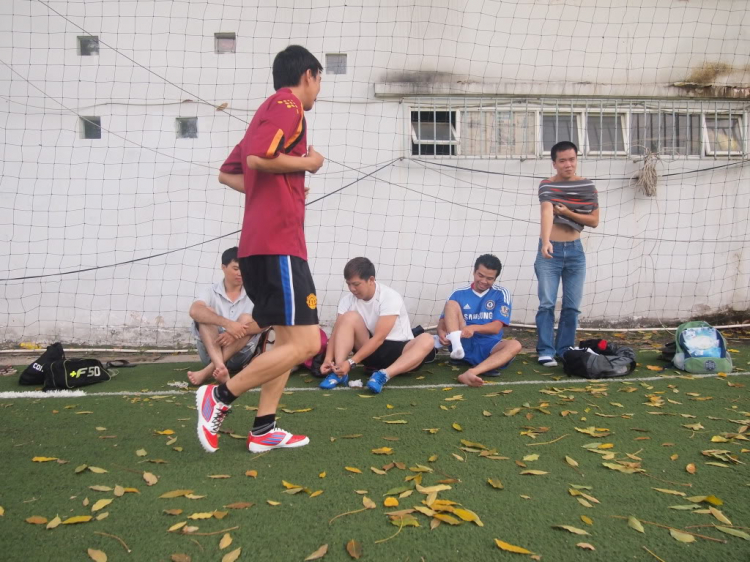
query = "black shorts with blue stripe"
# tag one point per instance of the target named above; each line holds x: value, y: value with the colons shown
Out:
x: 282, y: 290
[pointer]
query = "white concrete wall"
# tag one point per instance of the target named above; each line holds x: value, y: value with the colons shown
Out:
x: 68, y: 204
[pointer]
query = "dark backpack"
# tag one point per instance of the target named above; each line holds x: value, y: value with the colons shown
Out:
x: 598, y: 359
x: 35, y: 374
x: 65, y: 374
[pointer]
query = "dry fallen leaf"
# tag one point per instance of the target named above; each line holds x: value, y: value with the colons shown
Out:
x: 179, y: 557
x: 202, y: 515
x: 511, y: 548
x: 232, y: 556
x: 390, y: 502
x: 353, y: 469
x: 96, y: 470
x: 177, y: 526
x: 225, y: 541
x: 54, y: 523
x: 495, y: 483
x: 383, y: 451
x: 43, y: 459
x: 101, y: 504
x: 680, y: 536
x: 97, y: 555
x: 141, y: 453
x: 150, y: 478
x: 119, y: 491
x: 585, y: 546
x: 690, y: 468
x: 77, y: 519
x: 354, y: 548
x: 633, y: 523
x: 251, y: 473
x: 318, y: 554
x: 273, y: 503
x: 574, y: 530
x: 457, y: 427
x: 36, y: 520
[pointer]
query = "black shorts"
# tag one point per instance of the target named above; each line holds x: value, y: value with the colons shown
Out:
x: 387, y: 354
x: 282, y: 290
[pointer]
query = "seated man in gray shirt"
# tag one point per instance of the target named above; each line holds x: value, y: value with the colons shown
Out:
x: 226, y: 334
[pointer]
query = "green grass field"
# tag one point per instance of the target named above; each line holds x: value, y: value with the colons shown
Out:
x: 528, y: 415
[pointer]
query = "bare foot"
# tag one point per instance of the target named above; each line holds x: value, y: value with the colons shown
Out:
x: 470, y: 379
x: 197, y: 378
x: 221, y: 374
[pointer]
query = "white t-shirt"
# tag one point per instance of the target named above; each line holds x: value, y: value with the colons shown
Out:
x: 215, y: 296
x: 385, y: 302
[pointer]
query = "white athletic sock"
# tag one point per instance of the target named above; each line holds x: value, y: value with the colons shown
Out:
x: 458, y: 349
x: 385, y: 373
x: 438, y: 345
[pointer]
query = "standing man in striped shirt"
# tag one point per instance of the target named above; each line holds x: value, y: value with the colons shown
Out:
x: 568, y: 204
x: 269, y: 166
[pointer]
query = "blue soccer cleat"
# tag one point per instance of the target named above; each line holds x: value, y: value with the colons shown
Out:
x: 332, y: 381
x: 377, y: 381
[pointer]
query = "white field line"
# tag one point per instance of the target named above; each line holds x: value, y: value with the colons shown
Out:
x: 488, y: 385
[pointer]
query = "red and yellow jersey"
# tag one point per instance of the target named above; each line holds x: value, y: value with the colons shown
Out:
x: 274, y: 203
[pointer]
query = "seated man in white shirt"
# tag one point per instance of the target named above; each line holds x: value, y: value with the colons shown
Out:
x: 226, y: 334
x: 373, y: 323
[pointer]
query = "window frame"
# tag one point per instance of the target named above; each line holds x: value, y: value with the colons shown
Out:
x: 91, y: 120
x: 580, y: 127
x: 178, y: 122
x: 79, y: 43
x: 220, y: 35
x: 708, y: 151
x: 624, y: 127
x: 512, y: 111
x: 329, y: 66
x: 455, y: 128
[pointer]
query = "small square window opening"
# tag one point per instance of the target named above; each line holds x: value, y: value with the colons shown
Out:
x: 88, y: 46
x: 187, y: 127
x: 225, y: 42
x: 91, y: 127
x: 335, y: 63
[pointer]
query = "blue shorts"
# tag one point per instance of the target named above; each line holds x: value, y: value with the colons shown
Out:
x: 477, y: 349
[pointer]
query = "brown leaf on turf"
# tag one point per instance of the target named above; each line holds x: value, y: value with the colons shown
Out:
x: 232, y: 556
x: 220, y: 514
x: 77, y: 519
x: 36, y: 520
x: 690, y: 468
x: 251, y: 473
x: 239, y: 505
x: 150, y: 478
x: 317, y: 555
x: 179, y: 557
x: 511, y: 547
x: 172, y: 511
x: 101, y: 504
x: 54, y: 523
x: 97, y: 555
x: 354, y: 548
x: 585, y: 546
x: 219, y: 476
x: 225, y: 541
x: 119, y: 491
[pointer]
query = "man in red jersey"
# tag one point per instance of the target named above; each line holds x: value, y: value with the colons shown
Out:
x: 269, y: 166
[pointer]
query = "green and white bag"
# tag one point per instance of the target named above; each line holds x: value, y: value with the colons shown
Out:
x: 701, y: 348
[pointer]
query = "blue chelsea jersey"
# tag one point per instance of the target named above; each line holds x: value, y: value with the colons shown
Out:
x: 483, y: 308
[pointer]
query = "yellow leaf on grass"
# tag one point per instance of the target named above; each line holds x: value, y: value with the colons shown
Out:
x: 713, y: 500
x: 316, y: 493
x: 318, y: 554
x: 43, y: 459
x: 495, y: 483
x: 101, y: 504
x: 633, y: 523
x: 574, y: 530
x: 141, y: 453
x: 322, y: 475
x: 100, y: 488
x: 383, y: 451
x: 119, y: 491
x: 36, y: 520
x: 654, y: 368
x: 487, y: 414
x: 177, y: 526
x: 165, y: 432
x: 585, y: 546
x: 77, y: 519
x: 587, y: 520
x: 672, y: 492
x: 254, y: 473
x: 203, y: 515
x: 531, y: 458
x: 175, y: 494
x: 432, y: 430
x: 97, y: 555
x: 225, y: 541
x: 571, y: 461
x: 353, y: 469
x: 511, y: 547
x: 273, y: 503
x: 393, y: 422
x: 680, y: 536
x: 534, y: 472
x: 54, y: 523
x: 219, y: 476
x: 232, y: 556
x: 96, y: 470
x: 447, y: 519
x: 172, y: 511
x: 457, y: 427
x: 734, y: 532
x: 354, y: 548
x: 239, y: 505
x: 289, y: 486
x: 719, y: 515
x: 130, y: 490
x: 432, y: 489
x: 390, y: 502
x: 368, y: 503
x: 468, y: 515
x: 150, y: 478
x: 378, y: 471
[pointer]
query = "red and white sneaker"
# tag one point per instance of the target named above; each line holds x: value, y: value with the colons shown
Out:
x: 211, y: 414
x: 275, y: 439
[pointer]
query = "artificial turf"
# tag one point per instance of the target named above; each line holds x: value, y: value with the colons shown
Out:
x: 344, y: 427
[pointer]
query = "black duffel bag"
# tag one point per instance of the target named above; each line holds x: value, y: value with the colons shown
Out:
x: 35, y: 374
x: 65, y: 374
x: 598, y: 359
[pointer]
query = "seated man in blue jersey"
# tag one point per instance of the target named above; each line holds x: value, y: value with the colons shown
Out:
x: 473, y: 321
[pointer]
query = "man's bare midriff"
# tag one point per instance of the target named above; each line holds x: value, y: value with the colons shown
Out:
x: 563, y: 233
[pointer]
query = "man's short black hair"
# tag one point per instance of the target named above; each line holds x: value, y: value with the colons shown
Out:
x: 562, y: 146
x: 290, y: 64
x: 359, y: 267
x: 490, y: 262
x: 229, y: 256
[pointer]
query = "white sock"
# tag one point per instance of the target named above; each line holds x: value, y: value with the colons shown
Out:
x: 385, y: 373
x: 458, y: 349
x: 438, y: 345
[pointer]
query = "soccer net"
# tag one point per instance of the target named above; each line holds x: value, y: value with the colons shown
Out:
x: 436, y: 119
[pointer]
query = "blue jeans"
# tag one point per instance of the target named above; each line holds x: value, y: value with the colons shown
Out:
x: 568, y: 263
